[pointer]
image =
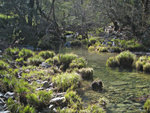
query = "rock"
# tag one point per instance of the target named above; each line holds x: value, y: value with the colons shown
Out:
x: 5, y: 112
x: 1, y: 95
x: 45, y: 84
x: 51, y: 106
x: 97, y: 85
x: 57, y: 100
x: 9, y: 95
x: 45, y: 65
x: 38, y: 89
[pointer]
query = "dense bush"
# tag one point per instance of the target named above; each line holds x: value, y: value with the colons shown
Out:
x: 91, y: 48
x: 46, y: 54
x: 102, y: 49
x: 147, y: 106
x: 78, y: 63
x: 25, y: 53
x: 3, y: 65
x: 146, y: 68
x: 67, y: 58
x: 126, y: 59
x: 66, y: 80
x: 86, y: 73
x: 12, y: 52
x: 35, y: 60
x: 112, y: 62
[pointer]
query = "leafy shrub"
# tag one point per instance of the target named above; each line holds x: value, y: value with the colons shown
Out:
x: 126, y: 59
x: 12, y: 52
x: 45, y: 96
x: 146, y: 68
x: 73, y: 99
x: 102, y: 49
x: 33, y: 100
x: 25, y: 53
x: 49, y: 61
x: 91, y: 48
x: 67, y: 58
x: 46, y: 54
x: 35, y: 60
x: 3, y: 65
x: 147, y: 106
x: 139, y: 65
x: 112, y: 62
x: 66, y: 80
x: 78, y: 63
x: 116, y: 49
x: 28, y: 109
x: 86, y: 73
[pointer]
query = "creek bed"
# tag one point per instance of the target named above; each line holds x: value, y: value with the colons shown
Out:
x: 123, y: 88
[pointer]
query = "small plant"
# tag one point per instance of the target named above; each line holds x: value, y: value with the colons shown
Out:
x: 126, y: 59
x: 67, y: 58
x: 73, y: 99
x: 28, y: 109
x: 47, y: 54
x: 66, y: 80
x: 91, y: 48
x: 146, y: 68
x: 102, y: 49
x: 147, y: 106
x: 3, y: 65
x: 112, y: 62
x: 13, y: 52
x: 35, y: 60
x: 49, y: 61
x: 78, y: 63
x: 86, y: 73
x: 25, y: 53
x: 45, y: 96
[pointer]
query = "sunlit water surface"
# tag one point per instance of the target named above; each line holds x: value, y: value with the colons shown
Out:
x: 121, y: 87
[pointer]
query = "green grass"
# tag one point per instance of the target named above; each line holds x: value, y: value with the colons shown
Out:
x: 35, y: 60
x: 66, y: 80
x: 47, y: 54
x: 112, y: 62
x: 3, y: 65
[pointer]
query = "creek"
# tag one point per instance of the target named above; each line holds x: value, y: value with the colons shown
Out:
x: 124, y: 89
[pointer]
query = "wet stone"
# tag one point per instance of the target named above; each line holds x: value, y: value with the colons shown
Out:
x: 9, y: 95
x: 57, y: 100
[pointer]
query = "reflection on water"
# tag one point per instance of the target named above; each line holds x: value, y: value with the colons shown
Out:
x: 121, y: 87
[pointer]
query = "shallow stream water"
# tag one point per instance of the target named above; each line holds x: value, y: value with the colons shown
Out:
x: 124, y: 89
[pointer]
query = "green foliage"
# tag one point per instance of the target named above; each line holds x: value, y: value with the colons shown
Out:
x: 91, y: 48
x: 47, y: 54
x: 65, y: 80
x: 139, y: 65
x: 112, y: 62
x: 78, y: 63
x: 3, y: 65
x: 33, y: 99
x: 73, y: 100
x: 147, y: 106
x: 35, y: 60
x: 146, y: 68
x: 86, y: 73
x: 102, y: 49
x: 116, y: 49
x: 25, y: 53
x: 94, y: 109
x: 126, y: 59
x: 28, y: 109
x: 67, y: 58
x: 12, y: 52
x: 49, y: 61
x: 45, y: 96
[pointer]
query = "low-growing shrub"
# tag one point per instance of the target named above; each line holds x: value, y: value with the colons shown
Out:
x: 78, y: 63
x: 102, y: 49
x: 139, y: 65
x: 65, y: 80
x: 126, y: 59
x: 47, y: 54
x: 91, y: 48
x: 25, y: 53
x: 146, y: 68
x: 35, y: 60
x: 3, y: 65
x: 28, y: 109
x: 112, y: 62
x: 67, y: 58
x: 13, y: 52
x: 49, y: 61
x: 86, y: 73
x: 147, y: 106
